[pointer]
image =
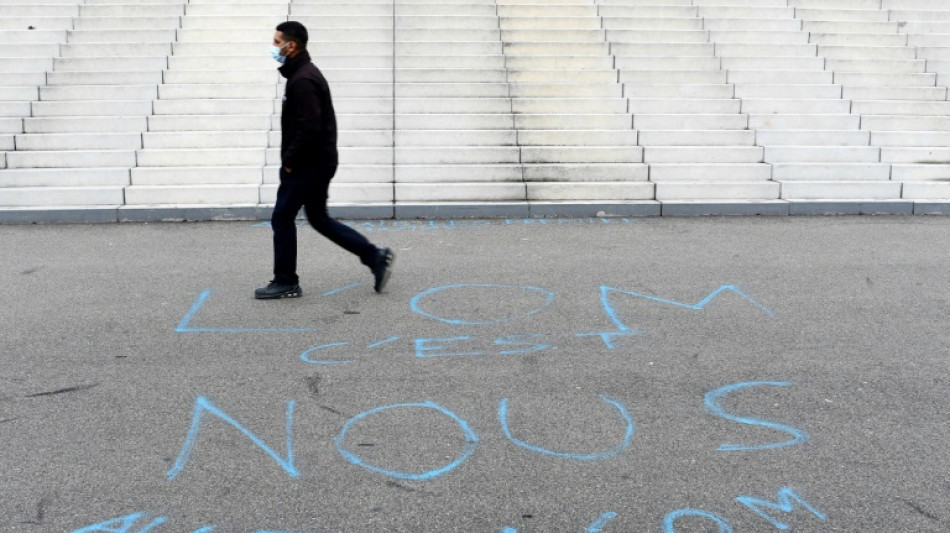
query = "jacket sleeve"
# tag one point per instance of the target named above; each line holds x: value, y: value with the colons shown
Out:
x: 308, y: 111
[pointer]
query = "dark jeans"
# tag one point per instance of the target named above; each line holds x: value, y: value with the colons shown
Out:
x: 309, y: 192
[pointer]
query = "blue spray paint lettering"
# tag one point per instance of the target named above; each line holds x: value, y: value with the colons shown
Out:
x: 599, y: 524
x: 305, y: 356
x: 624, y: 329
x: 529, y: 346
x: 428, y: 348
x: 471, y: 441
x: 185, y: 325
x: 203, y: 405
x: 786, y: 503
x: 121, y: 524
x: 712, y: 405
x: 415, y: 303
x: 628, y: 434
x: 669, y: 523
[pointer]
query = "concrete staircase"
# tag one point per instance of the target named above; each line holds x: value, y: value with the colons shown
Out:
x: 155, y: 109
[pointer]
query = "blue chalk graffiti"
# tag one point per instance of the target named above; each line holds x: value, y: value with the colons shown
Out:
x: 341, y: 289
x: 471, y: 441
x: 669, y: 521
x: 203, y: 405
x: 712, y: 405
x: 185, y: 327
x: 599, y: 524
x: 122, y: 524
x: 305, y: 356
x: 427, y: 348
x: 786, y: 503
x: 522, y: 340
x: 628, y: 434
x: 414, y: 304
x: 624, y: 330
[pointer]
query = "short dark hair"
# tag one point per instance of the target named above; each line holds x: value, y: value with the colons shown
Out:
x: 294, y: 31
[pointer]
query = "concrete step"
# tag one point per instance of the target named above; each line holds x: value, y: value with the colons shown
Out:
x: 204, y: 139
x: 26, y: 64
x: 782, y: 77
x: 690, y: 122
x: 895, y: 93
x: 904, y: 123
x: 507, y: 175
x: 24, y: 79
x: 202, y: 175
x: 788, y: 92
x: 104, y: 78
x: 705, y: 91
x: 683, y: 106
x: 910, y: 138
x: 99, y: 108
x: 75, y: 93
x: 926, y: 190
x: 220, y: 90
x: 703, y: 154
x: 10, y: 94
x: 72, y: 141
x: 475, y: 138
x: 104, y: 49
x: 229, y: 194
x: 215, y: 107
x: 916, y: 155
x: 822, y: 154
x: 15, y: 109
x: 577, y: 137
x: 71, y: 159
x: 812, y: 138
x: 840, y: 189
x: 709, y: 172
x: 573, y: 122
x: 736, y: 137
x: 88, y: 124
x: 803, y: 107
x: 553, y: 90
x: 654, y: 77
x: 920, y: 173
x: 890, y: 107
x: 200, y: 157
x: 704, y: 191
x: 64, y: 177
x: 805, y: 122
x: 585, y: 154
x: 830, y: 171
x: 434, y: 121
x: 448, y: 155
x: 574, y: 105
x: 863, y: 79
x: 459, y: 192
x: 61, y: 196
x: 183, y: 123
x: 601, y: 190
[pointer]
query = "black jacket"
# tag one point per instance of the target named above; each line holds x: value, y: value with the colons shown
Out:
x: 307, y: 121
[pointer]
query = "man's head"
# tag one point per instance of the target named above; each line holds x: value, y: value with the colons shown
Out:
x: 290, y: 38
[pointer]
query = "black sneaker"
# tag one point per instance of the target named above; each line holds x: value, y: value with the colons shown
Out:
x: 276, y: 290
x: 383, y: 268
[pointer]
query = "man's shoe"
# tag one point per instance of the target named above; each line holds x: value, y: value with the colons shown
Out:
x: 383, y: 268
x: 276, y: 290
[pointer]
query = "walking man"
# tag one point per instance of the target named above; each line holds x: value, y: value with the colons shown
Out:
x: 308, y: 162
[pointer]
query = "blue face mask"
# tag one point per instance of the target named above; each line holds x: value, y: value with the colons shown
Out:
x: 275, y: 53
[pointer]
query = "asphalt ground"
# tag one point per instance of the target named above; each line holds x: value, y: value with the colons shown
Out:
x: 615, y: 375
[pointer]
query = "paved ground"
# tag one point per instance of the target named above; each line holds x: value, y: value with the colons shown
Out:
x: 615, y: 375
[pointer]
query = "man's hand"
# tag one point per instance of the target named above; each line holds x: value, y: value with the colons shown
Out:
x: 288, y: 170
